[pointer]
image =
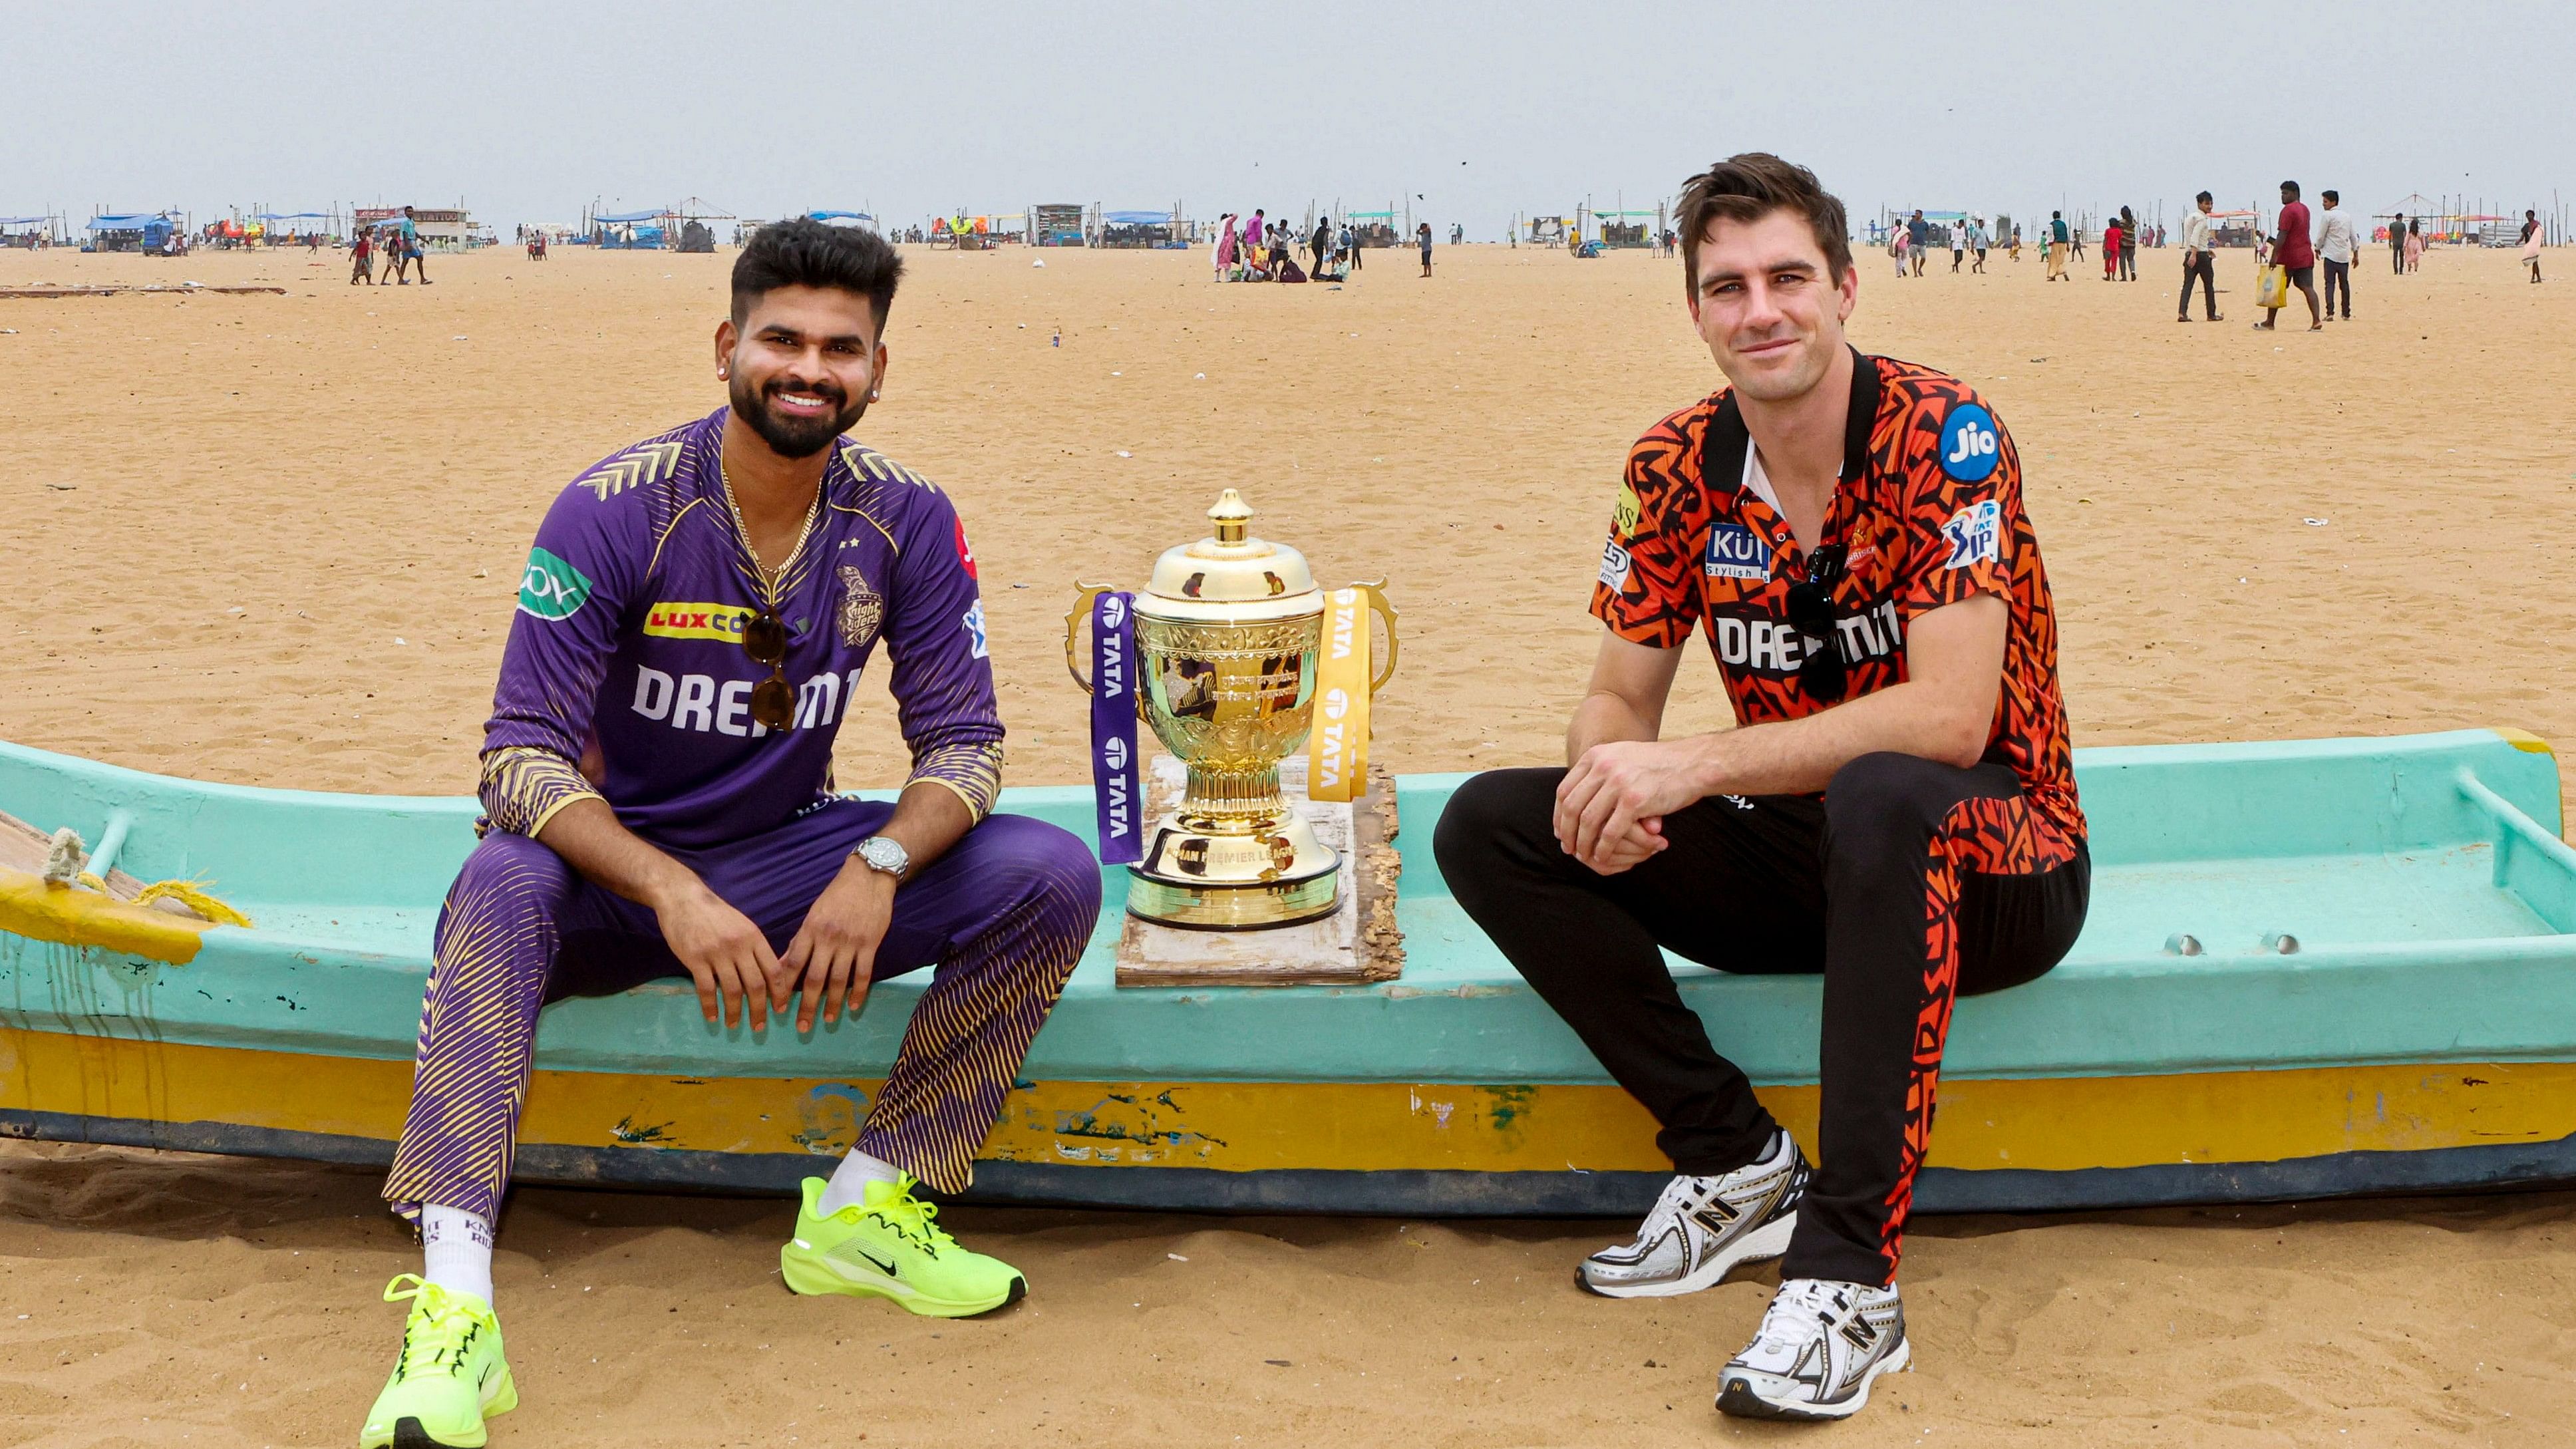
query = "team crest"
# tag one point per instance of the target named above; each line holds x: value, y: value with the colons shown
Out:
x: 862, y: 608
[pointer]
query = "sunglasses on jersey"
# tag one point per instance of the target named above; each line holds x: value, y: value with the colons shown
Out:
x: 773, y: 700
x: 1811, y: 612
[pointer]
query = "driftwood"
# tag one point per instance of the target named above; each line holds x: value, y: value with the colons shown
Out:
x: 122, y: 291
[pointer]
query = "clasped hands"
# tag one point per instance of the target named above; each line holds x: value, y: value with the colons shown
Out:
x: 1610, y: 807
x: 828, y: 966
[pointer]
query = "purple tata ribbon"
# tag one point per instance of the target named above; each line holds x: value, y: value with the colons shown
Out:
x: 1118, y: 799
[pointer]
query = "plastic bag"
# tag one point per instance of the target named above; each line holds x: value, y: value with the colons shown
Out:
x: 2272, y: 287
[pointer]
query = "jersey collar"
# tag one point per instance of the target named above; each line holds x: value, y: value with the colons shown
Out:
x: 1726, y: 441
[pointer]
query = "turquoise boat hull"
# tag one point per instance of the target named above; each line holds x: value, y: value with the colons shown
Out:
x: 2422, y: 1034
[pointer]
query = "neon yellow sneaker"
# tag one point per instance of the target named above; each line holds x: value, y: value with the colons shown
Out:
x: 450, y: 1377
x: 893, y: 1247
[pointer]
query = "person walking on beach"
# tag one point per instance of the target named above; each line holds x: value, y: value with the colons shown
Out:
x: 1958, y: 243
x: 2397, y: 245
x: 2531, y: 230
x: 362, y: 259
x: 657, y: 783
x: 1422, y: 235
x: 1351, y: 245
x: 1320, y: 250
x: 2128, y: 245
x: 2414, y: 244
x: 2111, y: 250
x: 2294, y: 252
x: 2338, y: 247
x: 1896, y: 809
x: 1898, y: 243
x: 1979, y: 240
x: 2057, y: 240
x: 2199, y: 262
x: 1918, y: 239
x: 411, y: 244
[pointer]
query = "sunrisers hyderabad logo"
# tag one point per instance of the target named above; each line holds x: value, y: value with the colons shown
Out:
x: 862, y: 609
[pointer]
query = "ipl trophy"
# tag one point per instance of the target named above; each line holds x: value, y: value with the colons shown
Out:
x: 1227, y: 638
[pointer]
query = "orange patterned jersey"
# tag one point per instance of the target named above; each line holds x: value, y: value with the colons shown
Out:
x: 1935, y: 516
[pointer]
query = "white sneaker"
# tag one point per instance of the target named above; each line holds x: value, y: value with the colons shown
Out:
x: 1703, y: 1227
x: 1819, y: 1346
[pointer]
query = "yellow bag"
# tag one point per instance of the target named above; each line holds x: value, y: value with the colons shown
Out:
x: 2272, y: 287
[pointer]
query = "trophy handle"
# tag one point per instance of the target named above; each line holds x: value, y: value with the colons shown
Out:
x: 1378, y: 604
x: 1084, y: 595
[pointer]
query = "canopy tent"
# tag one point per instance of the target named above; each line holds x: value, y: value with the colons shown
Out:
x: 627, y: 218
x: 1137, y: 218
x: 292, y: 216
x: 132, y: 221
x: 1163, y: 228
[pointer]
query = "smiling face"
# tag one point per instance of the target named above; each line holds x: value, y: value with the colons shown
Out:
x: 801, y: 365
x: 1768, y: 304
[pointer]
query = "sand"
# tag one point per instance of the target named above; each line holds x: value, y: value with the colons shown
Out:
x: 274, y: 539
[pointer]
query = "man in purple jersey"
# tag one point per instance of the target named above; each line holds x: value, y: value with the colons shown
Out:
x: 691, y: 630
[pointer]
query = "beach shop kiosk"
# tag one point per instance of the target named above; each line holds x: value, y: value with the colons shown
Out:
x: 1144, y: 229
x: 31, y: 231
x: 133, y: 232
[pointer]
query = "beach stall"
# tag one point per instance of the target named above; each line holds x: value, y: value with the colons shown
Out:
x: 292, y: 228
x: 2234, y: 228
x: 137, y: 231
x: 1062, y: 224
x: 32, y: 232
x: 648, y: 230
x: 440, y: 229
x: 1137, y: 230
x: 1621, y: 229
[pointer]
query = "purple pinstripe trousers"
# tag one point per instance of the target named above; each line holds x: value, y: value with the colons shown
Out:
x: 1003, y: 916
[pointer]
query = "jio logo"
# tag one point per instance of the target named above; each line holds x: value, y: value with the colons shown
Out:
x: 1969, y: 446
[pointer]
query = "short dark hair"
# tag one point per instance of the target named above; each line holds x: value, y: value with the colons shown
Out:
x: 2331, y: 194
x: 806, y: 253
x: 1748, y: 187
x: 2205, y: 196
x: 2291, y: 187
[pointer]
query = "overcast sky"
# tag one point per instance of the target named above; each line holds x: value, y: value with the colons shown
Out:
x: 531, y: 110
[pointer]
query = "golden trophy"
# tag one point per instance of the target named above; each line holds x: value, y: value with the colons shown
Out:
x: 1227, y: 637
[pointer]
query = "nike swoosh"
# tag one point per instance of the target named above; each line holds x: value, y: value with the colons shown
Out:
x: 877, y: 1263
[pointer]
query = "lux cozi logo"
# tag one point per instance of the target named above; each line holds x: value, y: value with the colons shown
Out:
x: 720, y: 622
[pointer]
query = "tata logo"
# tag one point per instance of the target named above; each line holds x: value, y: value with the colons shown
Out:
x: 1970, y: 445
x: 1737, y: 552
x: 551, y: 588
x: 1116, y: 753
x: 1113, y: 610
x: 1113, y: 650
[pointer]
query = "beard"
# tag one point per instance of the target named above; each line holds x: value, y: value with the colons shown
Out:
x: 792, y: 437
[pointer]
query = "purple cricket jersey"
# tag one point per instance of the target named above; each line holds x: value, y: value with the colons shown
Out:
x: 625, y: 676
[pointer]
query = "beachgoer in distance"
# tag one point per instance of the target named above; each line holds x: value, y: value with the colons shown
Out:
x: 1898, y: 238
x: 2531, y: 230
x: 1979, y: 239
x: 2111, y: 250
x: 2128, y: 245
x: 2198, y: 260
x: 1918, y: 239
x: 2057, y: 238
x: 2337, y: 248
x: 1958, y: 243
x: 362, y: 259
x: 1351, y: 245
x: 411, y: 243
x: 2415, y: 244
x: 2397, y: 245
x: 658, y: 780
x: 2294, y: 252
x: 1896, y: 810
x: 1320, y: 250
x: 1422, y: 235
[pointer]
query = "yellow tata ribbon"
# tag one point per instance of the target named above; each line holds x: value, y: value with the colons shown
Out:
x: 1337, y: 747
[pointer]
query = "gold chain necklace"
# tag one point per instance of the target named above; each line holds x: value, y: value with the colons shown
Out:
x: 768, y: 576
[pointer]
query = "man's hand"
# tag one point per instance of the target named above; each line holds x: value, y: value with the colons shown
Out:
x: 835, y: 951
x: 1610, y: 807
x: 725, y: 953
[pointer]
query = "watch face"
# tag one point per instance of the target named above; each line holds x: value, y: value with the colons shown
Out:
x: 883, y: 854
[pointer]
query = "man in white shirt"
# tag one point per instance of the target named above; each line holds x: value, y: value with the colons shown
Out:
x: 2338, y: 246
x: 2199, y: 263
x: 1958, y: 243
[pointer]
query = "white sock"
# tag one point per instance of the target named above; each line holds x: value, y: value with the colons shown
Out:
x: 457, y: 1247
x: 849, y: 1184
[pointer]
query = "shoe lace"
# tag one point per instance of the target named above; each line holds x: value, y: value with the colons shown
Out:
x: 437, y: 1331
x: 1668, y: 1209
x: 912, y: 1217
x: 1801, y: 1307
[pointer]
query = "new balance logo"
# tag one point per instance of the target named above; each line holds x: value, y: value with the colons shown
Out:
x: 1718, y: 1216
x: 1860, y: 1333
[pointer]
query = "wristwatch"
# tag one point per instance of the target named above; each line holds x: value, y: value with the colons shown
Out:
x: 880, y: 854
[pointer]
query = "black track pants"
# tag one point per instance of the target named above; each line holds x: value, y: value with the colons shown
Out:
x: 1909, y: 883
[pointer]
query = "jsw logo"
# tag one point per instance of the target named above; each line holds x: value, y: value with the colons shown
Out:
x: 1972, y: 443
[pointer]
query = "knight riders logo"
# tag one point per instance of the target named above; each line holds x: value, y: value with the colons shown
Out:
x: 862, y: 608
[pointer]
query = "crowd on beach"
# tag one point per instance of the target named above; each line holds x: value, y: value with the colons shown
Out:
x: 1259, y: 248
x: 397, y: 241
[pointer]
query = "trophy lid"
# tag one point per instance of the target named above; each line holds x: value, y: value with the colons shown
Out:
x: 1232, y: 568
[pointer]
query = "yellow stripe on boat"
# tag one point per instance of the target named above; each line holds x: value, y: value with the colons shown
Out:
x: 2055, y: 1124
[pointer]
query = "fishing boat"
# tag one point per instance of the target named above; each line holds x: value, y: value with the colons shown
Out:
x: 2312, y: 968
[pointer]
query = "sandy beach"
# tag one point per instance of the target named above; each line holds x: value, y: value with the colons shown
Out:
x: 274, y: 539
